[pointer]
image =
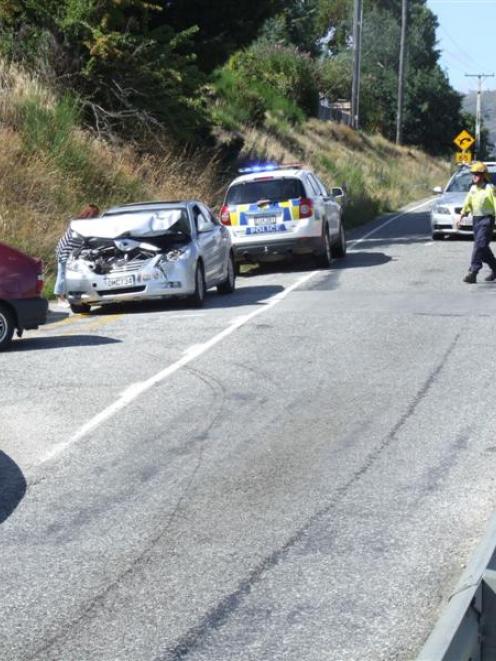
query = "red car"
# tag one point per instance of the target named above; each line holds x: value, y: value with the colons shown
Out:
x: 21, y: 304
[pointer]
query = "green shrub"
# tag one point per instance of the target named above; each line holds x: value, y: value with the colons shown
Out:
x: 266, y: 82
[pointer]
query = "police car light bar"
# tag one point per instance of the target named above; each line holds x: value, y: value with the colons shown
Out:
x: 268, y: 167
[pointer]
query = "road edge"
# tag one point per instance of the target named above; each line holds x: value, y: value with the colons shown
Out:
x: 457, y: 633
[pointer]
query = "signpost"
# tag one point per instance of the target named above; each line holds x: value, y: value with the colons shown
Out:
x: 464, y: 140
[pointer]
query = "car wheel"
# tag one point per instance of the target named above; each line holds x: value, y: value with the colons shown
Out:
x: 325, y: 258
x: 437, y: 236
x: 227, y: 287
x: 198, y: 297
x: 80, y: 308
x: 340, y: 246
x: 7, y: 326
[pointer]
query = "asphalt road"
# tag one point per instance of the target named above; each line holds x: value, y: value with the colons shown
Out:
x: 297, y: 472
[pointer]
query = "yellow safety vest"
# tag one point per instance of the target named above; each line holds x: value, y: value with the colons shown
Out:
x: 480, y: 201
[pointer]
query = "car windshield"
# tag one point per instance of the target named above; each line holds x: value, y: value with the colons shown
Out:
x: 461, y: 182
x: 250, y: 192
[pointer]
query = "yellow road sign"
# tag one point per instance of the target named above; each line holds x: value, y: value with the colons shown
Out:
x: 463, y: 157
x: 464, y: 140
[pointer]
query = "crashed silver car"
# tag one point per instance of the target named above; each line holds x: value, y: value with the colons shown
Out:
x: 447, y: 208
x: 152, y: 250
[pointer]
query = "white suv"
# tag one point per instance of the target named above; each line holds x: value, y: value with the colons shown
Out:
x: 279, y: 211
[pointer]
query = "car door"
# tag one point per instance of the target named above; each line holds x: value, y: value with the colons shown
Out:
x: 209, y: 242
x: 319, y: 202
x: 333, y: 209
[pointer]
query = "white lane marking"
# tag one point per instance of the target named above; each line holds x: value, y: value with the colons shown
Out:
x: 387, y: 222
x: 185, y: 316
x: 135, y: 390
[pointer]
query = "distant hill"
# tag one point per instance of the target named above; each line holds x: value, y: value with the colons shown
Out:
x: 488, y: 103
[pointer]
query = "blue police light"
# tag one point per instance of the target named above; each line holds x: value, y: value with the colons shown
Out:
x: 259, y: 167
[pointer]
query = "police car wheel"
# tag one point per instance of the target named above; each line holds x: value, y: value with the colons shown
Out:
x: 325, y: 258
x: 198, y: 297
x: 227, y: 287
x: 340, y: 247
x: 437, y: 236
x: 7, y: 326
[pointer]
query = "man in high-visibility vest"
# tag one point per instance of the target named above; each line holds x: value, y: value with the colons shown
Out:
x: 481, y: 203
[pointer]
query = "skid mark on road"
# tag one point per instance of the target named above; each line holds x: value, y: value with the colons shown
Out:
x: 217, y: 617
x: 135, y: 390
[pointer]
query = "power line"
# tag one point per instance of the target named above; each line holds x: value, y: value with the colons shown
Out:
x: 466, y: 56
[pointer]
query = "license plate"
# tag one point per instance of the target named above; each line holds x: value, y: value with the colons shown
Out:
x: 467, y: 222
x: 265, y: 220
x: 110, y: 283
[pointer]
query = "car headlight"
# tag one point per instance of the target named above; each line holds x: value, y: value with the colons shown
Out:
x: 442, y: 210
x: 173, y: 255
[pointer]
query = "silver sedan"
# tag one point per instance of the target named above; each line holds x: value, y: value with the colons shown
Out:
x: 152, y: 250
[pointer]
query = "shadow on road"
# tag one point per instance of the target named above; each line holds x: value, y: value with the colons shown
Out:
x: 392, y: 241
x: 59, y: 342
x: 249, y: 295
x: 12, y: 486
x: 362, y: 259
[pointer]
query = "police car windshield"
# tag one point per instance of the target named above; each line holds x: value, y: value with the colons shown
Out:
x: 461, y: 182
x: 274, y: 190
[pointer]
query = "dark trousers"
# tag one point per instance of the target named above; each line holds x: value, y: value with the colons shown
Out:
x: 483, y: 232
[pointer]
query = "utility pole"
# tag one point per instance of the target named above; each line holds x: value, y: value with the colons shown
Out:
x: 480, y: 76
x: 401, y: 74
x: 357, y: 53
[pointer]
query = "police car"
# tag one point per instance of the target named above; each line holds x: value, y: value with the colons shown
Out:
x: 275, y: 211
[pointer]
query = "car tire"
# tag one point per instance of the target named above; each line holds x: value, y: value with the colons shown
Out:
x: 229, y: 284
x: 80, y: 308
x: 437, y: 236
x: 7, y: 326
x: 324, y: 260
x: 340, y: 245
x: 198, y: 298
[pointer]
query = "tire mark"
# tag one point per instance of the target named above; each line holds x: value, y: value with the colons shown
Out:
x: 216, y: 388
x: 219, y: 615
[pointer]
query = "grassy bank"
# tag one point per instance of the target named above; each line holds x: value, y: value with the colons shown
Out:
x: 50, y: 168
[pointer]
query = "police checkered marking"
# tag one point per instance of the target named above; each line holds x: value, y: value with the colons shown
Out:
x: 239, y: 213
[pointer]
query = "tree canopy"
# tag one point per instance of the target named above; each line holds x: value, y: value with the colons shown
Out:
x: 145, y: 66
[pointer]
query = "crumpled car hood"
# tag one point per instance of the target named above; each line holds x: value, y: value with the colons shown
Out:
x: 150, y: 223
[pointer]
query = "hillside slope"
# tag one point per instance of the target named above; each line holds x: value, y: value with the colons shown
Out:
x: 50, y: 168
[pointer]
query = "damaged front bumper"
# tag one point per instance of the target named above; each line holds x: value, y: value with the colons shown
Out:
x: 156, y: 278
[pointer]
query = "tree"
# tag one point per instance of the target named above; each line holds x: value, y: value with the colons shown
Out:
x: 223, y: 26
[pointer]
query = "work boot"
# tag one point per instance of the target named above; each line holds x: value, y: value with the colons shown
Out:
x: 490, y: 277
x: 471, y: 277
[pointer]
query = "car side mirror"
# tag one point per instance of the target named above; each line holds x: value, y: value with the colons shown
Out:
x: 437, y: 190
x: 338, y: 193
x: 203, y: 224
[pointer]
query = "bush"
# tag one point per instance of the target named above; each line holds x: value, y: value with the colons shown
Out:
x: 266, y: 82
